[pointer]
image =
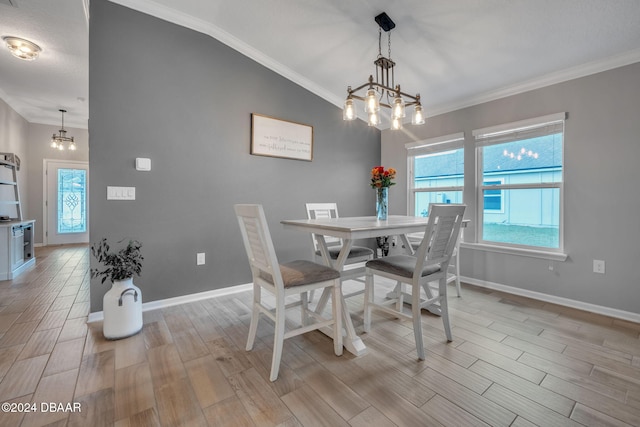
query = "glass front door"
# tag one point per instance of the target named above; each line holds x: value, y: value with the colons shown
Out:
x: 67, y: 202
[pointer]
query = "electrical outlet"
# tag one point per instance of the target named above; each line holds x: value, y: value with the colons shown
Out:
x: 598, y: 266
x: 200, y: 258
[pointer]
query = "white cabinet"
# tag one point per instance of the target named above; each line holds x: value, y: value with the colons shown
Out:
x: 16, y: 248
x: 16, y: 235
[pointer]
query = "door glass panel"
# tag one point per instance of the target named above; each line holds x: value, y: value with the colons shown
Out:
x: 72, y: 197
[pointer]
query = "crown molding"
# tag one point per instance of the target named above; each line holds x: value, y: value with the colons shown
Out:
x: 85, y: 9
x: 594, y: 67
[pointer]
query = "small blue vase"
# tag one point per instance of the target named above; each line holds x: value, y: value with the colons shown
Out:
x: 382, y: 203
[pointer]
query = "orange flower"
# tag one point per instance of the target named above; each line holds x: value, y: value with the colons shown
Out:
x: 381, y: 177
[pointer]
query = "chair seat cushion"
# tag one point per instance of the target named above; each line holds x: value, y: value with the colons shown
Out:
x: 355, y: 252
x: 400, y: 265
x: 302, y: 272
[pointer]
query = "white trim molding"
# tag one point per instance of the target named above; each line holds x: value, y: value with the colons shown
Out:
x: 98, y: 316
x: 566, y: 302
x: 533, y: 253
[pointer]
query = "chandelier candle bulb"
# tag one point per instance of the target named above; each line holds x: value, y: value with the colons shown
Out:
x: 374, y: 119
x: 418, y: 117
x: 349, y: 112
x: 398, y: 111
x: 396, y: 123
x: 371, y: 104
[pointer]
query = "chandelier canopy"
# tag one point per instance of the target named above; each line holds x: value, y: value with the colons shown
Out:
x: 58, y: 141
x: 382, y: 91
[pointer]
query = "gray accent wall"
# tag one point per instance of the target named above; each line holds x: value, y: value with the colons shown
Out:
x: 601, y: 174
x: 184, y: 100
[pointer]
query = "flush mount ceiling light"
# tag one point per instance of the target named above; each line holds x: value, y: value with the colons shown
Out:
x: 21, y: 48
x: 57, y: 141
x: 383, y: 91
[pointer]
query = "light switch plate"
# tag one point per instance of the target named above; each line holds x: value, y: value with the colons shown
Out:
x: 200, y: 258
x: 143, y: 164
x: 121, y: 193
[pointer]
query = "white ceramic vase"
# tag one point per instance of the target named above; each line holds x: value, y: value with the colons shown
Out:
x: 122, y: 308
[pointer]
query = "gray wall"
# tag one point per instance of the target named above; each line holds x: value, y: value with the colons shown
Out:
x: 602, y: 201
x: 14, y: 137
x: 39, y: 137
x: 185, y: 100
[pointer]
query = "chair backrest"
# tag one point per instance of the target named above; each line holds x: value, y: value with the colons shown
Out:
x: 258, y: 244
x: 440, y: 236
x: 323, y: 210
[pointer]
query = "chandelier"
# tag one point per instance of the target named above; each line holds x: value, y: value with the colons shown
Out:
x: 383, y: 91
x: 57, y: 141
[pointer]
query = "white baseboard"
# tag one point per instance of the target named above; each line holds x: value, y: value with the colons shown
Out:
x: 98, y: 316
x: 593, y: 308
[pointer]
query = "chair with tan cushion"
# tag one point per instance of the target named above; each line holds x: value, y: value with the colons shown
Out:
x: 430, y: 263
x: 283, y: 280
x: 357, y: 254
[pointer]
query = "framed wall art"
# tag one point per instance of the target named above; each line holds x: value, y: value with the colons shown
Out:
x: 281, y: 138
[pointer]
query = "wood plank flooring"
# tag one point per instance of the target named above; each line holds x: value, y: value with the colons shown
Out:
x: 513, y: 362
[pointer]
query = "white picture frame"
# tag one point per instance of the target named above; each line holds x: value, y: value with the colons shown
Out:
x: 281, y: 138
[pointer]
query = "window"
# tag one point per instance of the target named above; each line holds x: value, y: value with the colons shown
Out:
x: 436, y: 172
x: 493, y: 196
x: 520, y: 166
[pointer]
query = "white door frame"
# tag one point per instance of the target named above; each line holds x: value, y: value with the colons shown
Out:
x: 45, y: 218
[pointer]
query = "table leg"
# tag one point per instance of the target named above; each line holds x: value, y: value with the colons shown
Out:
x: 352, y: 342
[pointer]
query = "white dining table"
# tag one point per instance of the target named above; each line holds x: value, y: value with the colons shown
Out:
x: 350, y: 229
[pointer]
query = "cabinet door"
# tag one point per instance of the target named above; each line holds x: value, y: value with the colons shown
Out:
x: 17, y: 248
x: 5, y: 254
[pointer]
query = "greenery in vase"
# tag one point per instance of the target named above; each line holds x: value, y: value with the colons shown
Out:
x: 381, y: 177
x: 119, y: 265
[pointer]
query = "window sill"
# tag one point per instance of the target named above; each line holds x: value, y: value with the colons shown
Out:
x: 554, y: 256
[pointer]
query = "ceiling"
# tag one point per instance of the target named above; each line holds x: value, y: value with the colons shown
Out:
x: 454, y: 53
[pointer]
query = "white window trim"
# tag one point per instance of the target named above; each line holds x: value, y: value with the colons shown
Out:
x: 482, y: 136
x: 512, y: 250
x: 452, y: 141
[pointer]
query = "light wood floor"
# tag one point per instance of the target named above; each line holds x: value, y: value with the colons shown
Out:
x: 513, y: 361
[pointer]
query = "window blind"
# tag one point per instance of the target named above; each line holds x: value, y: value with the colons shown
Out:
x: 435, y: 145
x: 524, y: 129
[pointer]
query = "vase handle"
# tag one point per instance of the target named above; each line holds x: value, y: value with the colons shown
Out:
x: 135, y: 296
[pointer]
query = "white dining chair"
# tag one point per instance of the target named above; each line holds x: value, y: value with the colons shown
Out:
x: 430, y: 263
x: 357, y: 254
x: 453, y: 274
x: 283, y: 280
